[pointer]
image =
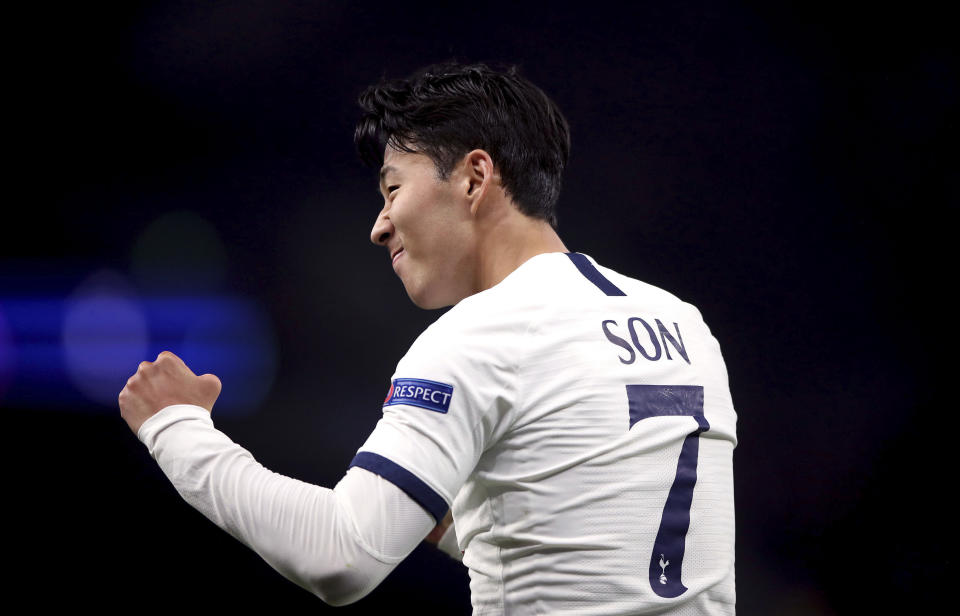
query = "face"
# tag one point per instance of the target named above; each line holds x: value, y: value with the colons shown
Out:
x: 426, y: 228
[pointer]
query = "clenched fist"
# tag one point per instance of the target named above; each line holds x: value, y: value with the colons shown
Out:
x: 162, y: 383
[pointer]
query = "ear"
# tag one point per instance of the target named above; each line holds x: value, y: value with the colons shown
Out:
x: 479, y: 176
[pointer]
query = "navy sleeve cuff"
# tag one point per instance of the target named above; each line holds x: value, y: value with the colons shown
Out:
x: 416, y: 489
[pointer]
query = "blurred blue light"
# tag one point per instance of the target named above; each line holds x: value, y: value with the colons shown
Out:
x: 104, y: 334
x: 77, y: 353
x: 7, y: 358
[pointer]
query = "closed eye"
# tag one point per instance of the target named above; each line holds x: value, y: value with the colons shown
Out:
x: 390, y: 189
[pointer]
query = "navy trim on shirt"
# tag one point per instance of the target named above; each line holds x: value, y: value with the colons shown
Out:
x: 593, y: 274
x: 416, y: 489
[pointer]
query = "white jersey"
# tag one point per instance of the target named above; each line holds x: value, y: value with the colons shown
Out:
x: 579, y: 423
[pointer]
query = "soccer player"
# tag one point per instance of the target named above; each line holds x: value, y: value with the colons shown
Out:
x: 577, y: 422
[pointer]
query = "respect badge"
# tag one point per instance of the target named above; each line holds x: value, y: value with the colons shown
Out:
x: 422, y: 393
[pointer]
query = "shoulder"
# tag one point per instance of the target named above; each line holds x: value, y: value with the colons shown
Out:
x: 577, y: 281
x: 635, y: 288
x: 548, y: 287
x: 648, y: 297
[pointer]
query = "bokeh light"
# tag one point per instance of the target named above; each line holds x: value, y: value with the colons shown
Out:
x: 105, y: 336
x: 7, y: 358
x: 237, y: 343
x: 232, y: 337
x: 179, y: 252
x: 72, y: 345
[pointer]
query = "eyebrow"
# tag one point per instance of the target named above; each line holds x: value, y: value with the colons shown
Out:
x: 385, y: 170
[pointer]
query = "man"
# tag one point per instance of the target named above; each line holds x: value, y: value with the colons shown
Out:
x: 578, y: 422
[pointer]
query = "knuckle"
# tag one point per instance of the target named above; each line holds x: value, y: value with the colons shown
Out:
x: 213, y: 382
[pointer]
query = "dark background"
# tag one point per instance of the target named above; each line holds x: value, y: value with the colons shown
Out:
x: 784, y: 169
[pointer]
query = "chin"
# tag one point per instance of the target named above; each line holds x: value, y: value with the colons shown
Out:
x: 422, y: 298
x: 427, y: 303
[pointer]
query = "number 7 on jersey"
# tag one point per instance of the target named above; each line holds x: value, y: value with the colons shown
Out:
x: 668, y: 548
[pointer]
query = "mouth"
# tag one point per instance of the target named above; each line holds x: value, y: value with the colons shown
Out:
x: 396, y: 255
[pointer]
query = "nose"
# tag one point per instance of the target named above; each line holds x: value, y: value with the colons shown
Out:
x: 382, y: 229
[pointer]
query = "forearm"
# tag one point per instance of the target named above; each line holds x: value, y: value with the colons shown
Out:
x: 307, y: 533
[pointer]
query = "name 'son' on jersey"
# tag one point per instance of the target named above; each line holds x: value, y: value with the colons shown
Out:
x: 655, y: 343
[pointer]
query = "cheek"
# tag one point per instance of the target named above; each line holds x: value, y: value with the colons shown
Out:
x: 415, y: 217
x: 399, y: 219
x: 411, y: 211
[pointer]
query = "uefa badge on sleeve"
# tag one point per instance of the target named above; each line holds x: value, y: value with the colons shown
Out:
x: 422, y: 393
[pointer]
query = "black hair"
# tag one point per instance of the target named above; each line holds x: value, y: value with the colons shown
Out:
x: 446, y: 110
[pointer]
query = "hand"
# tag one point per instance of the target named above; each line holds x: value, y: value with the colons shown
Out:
x: 437, y: 533
x: 161, y: 383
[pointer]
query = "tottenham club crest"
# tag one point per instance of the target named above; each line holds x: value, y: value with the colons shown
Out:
x: 663, y: 569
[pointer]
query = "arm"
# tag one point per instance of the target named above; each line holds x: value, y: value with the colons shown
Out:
x: 338, y: 544
x: 444, y: 536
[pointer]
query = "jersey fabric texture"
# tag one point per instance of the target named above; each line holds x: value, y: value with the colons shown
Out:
x: 580, y: 425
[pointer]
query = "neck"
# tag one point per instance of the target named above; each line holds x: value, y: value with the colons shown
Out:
x: 510, y: 243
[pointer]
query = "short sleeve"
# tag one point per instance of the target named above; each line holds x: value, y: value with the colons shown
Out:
x: 450, y: 398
